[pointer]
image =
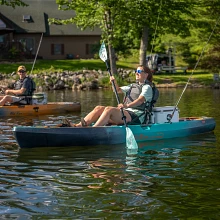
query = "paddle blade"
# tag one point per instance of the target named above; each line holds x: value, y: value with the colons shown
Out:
x: 103, y: 53
x: 130, y: 139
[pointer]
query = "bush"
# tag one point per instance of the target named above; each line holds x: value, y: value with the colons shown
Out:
x: 13, y: 53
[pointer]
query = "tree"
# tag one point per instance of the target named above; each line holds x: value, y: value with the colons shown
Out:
x: 210, y: 33
x: 12, y: 3
x: 126, y: 22
x: 206, y: 20
x: 92, y: 13
x: 164, y: 16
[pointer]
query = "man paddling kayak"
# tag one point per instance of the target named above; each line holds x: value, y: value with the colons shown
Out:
x: 137, y: 96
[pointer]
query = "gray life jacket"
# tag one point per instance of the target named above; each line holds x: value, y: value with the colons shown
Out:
x: 133, y: 93
x: 31, y: 87
x: 19, y: 83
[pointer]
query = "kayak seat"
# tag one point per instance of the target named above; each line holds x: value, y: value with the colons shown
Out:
x: 27, y: 100
x: 147, y: 115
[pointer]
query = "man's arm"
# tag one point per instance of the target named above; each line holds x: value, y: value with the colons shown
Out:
x: 15, y: 92
x: 20, y: 91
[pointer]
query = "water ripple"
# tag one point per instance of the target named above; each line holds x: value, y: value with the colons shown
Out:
x: 173, y: 179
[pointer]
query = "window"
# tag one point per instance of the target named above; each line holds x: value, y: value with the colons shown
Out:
x: 1, y: 39
x: 27, y: 18
x: 91, y: 49
x: 2, y: 24
x: 28, y: 44
x: 57, y: 49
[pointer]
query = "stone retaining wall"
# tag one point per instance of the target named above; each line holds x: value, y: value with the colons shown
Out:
x: 83, y: 80
x: 75, y: 80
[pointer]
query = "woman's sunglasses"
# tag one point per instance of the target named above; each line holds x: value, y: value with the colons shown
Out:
x: 21, y: 71
x: 139, y: 71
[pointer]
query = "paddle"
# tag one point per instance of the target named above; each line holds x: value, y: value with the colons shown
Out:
x: 130, y: 139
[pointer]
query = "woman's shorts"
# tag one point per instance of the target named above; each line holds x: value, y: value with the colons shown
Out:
x: 134, y: 117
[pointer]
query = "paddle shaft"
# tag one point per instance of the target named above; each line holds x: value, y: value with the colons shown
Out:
x: 116, y: 93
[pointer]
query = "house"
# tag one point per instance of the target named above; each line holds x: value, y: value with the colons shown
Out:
x: 22, y: 28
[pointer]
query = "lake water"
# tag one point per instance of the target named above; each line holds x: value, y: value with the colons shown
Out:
x: 172, y: 179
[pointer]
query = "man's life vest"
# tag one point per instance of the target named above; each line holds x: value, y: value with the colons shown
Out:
x: 29, y: 91
x: 135, y: 91
x: 27, y: 95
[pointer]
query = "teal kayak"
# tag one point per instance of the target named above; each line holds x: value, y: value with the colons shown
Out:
x: 32, y: 137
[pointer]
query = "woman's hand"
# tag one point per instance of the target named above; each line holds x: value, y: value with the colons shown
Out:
x: 114, y: 82
x: 112, y: 78
x: 122, y: 106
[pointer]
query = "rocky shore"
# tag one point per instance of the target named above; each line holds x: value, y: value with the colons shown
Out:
x: 84, y: 80
x: 75, y: 80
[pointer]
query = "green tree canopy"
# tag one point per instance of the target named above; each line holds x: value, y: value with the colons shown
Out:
x: 12, y: 3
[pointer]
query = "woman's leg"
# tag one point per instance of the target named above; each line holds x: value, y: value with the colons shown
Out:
x: 92, y: 116
x: 113, y: 114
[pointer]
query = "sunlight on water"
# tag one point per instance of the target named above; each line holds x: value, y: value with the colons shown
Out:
x: 172, y: 179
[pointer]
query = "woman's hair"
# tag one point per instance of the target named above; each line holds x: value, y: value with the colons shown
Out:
x: 147, y: 70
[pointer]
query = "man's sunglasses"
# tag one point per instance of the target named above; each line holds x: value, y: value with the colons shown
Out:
x: 139, y: 71
x: 21, y: 71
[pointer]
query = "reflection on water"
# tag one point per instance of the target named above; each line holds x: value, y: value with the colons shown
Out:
x: 172, y: 179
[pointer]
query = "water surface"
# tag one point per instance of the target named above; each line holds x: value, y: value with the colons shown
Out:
x: 172, y: 179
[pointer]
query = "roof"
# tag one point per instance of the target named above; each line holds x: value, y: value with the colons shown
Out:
x: 34, y: 19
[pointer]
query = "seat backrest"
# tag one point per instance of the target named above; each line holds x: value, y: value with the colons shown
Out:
x: 150, y: 105
x: 33, y: 88
x: 155, y: 94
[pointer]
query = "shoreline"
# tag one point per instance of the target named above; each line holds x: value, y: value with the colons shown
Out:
x: 98, y: 79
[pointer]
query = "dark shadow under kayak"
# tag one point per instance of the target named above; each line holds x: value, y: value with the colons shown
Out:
x: 30, y: 137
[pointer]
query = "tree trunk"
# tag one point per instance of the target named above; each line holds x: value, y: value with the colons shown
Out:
x: 143, y: 46
x: 111, y: 50
x: 112, y: 59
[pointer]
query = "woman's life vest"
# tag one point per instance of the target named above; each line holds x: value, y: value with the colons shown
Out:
x: 135, y: 91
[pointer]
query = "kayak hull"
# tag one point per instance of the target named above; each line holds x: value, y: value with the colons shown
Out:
x: 35, y: 110
x: 31, y: 137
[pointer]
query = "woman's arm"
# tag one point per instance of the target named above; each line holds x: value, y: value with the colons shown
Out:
x: 133, y: 104
x: 118, y: 89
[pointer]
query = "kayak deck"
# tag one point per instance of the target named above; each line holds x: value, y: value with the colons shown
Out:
x: 45, y: 109
x: 30, y: 137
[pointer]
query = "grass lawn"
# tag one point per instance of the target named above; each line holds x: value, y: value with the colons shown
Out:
x: 205, y: 79
x: 60, y: 65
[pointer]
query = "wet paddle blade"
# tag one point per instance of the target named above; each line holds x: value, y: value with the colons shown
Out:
x: 130, y: 139
x: 103, y: 52
x: 132, y: 151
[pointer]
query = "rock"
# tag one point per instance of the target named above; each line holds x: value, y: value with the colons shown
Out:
x: 60, y: 84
